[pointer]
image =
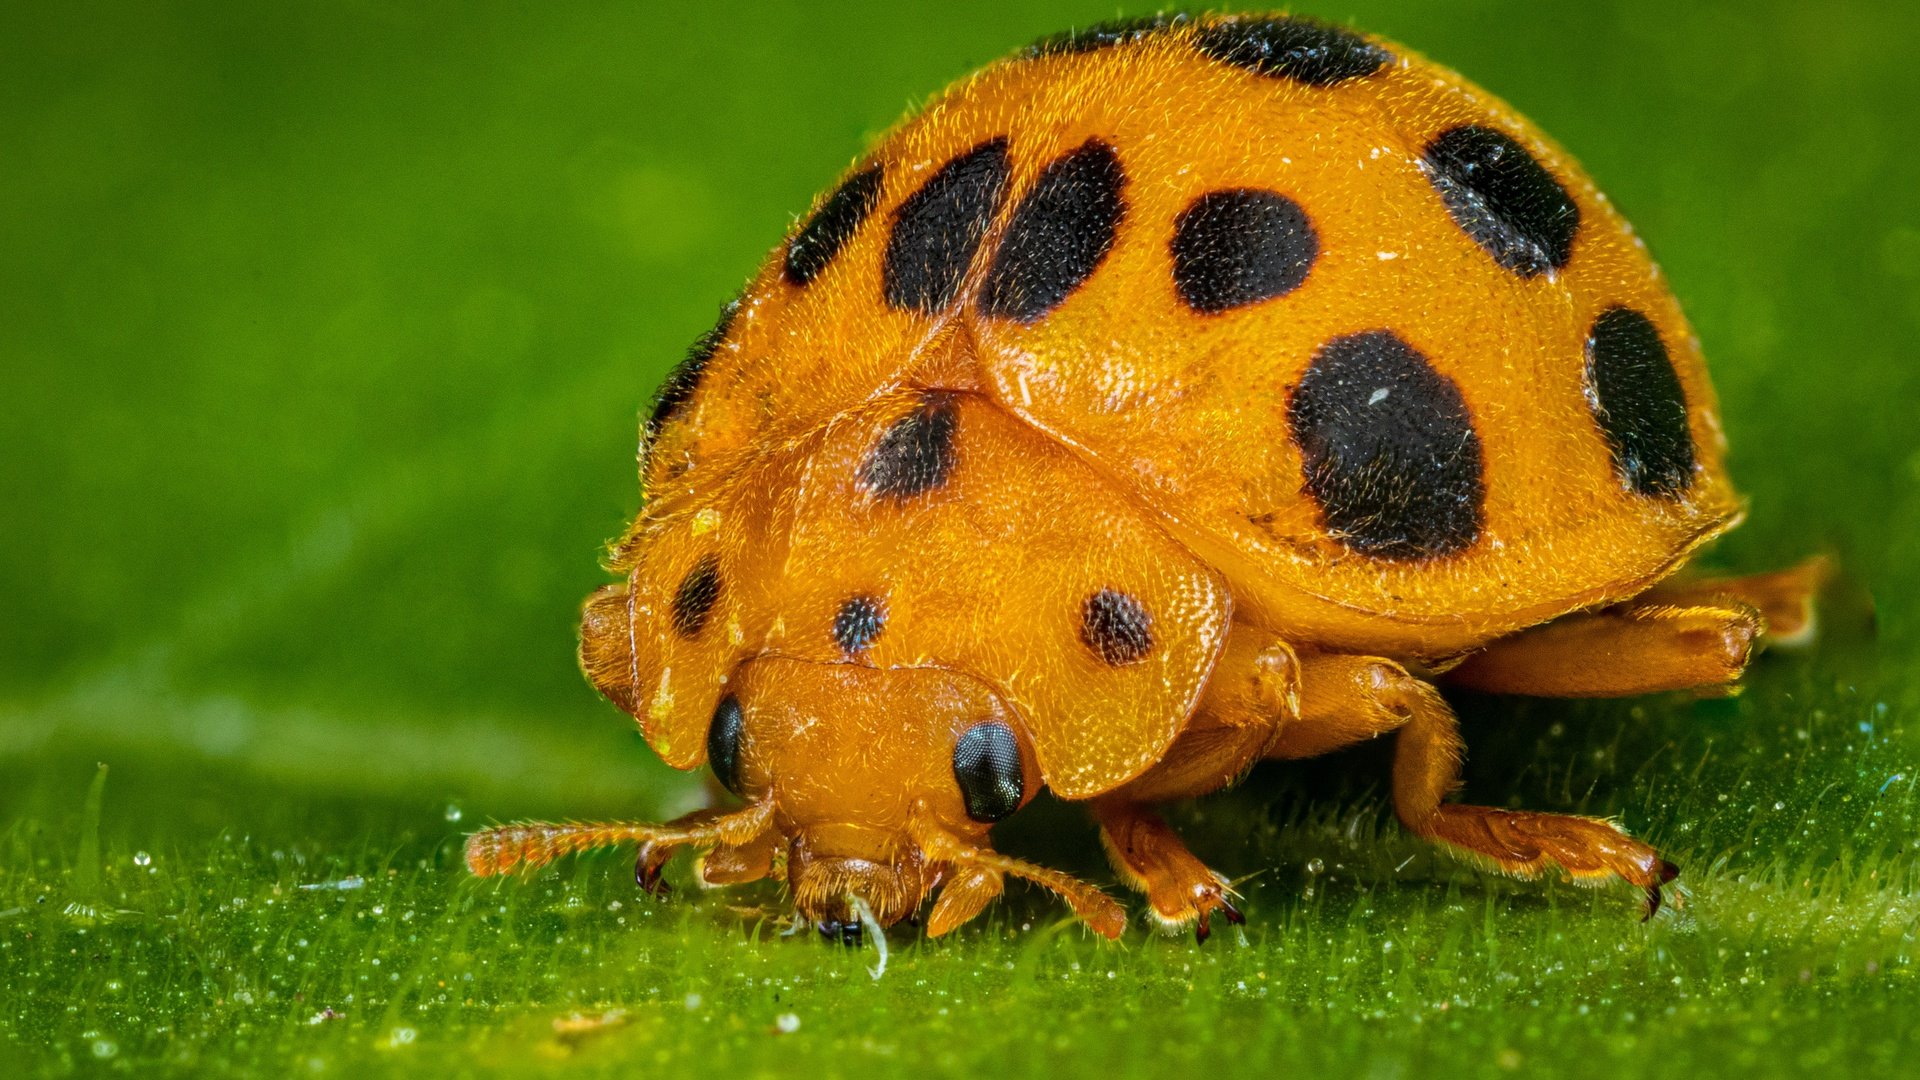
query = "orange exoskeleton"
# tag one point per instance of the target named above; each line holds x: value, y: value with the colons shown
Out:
x: 1170, y: 396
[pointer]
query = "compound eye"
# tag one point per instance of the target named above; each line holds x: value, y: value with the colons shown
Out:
x: 723, y: 742
x: 986, y: 764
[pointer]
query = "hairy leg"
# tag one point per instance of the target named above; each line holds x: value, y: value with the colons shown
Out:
x: 1351, y: 698
x: 1784, y: 598
x: 1638, y: 648
x: 737, y: 864
x: 1687, y: 635
x: 1343, y: 701
x: 1151, y: 857
x: 1255, y: 694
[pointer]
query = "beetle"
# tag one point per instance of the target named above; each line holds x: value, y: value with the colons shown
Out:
x: 1170, y: 396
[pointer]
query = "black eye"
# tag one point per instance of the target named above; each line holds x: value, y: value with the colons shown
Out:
x: 986, y: 763
x: 723, y: 743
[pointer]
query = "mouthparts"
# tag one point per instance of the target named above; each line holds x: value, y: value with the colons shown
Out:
x: 824, y: 885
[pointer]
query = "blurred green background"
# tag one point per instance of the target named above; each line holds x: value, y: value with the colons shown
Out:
x: 324, y: 330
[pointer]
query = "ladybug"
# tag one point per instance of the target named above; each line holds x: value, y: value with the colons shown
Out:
x: 1172, y: 395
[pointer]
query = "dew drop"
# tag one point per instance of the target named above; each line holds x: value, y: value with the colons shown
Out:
x: 453, y: 812
x: 141, y: 858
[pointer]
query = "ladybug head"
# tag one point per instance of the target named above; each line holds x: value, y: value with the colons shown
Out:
x: 872, y: 788
x: 875, y: 777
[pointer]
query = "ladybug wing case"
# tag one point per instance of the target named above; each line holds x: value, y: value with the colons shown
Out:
x: 1349, y: 338
x: 925, y: 529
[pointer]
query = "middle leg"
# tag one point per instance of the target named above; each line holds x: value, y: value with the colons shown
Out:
x: 1348, y: 698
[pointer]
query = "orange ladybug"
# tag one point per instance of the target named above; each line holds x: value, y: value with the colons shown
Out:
x: 1172, y: 395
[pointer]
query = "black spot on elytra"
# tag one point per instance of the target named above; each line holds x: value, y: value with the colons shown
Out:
x: 1116, y: 627
x: 832, y: 225
x: 1638, y: 402
x: 858, y: 624
x: 986, y: 765
x: 723, y: 743
x: 693, y: 601
x: 1388, y: 449
x: 1104, y: 35
x: 938, y: 228
x: 1058, y: 235
x: 1505, y: 200
x: 677, y: 390
x: 916, y: 453
x: 1241, y: 246
x: 1291, y: 48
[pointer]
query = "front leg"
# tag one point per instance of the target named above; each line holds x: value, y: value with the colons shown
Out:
x: 1254, y: 694
x: 1149, y: 856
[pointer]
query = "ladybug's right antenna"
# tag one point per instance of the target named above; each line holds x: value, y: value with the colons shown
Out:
x: 504, y: 848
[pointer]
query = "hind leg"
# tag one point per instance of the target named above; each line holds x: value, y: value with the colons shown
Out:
x: 1784, y: 598
x: 1695, y: 635
x: 1349, y: 698
x: 1639, y: 648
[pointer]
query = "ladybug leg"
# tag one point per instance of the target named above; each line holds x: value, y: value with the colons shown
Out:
x: 737, y: 864
x: 980, y: 873
x: 1784, y: 598
x: 1255, y: 687
x: 1426, y: 769
x: 1338, y: 706
x: 1254, y: 696
x: 1635, y: 648
x: 1252, y: 699
x: 965, y: 895
x: 1692, y: 635
x: 652, y: 856
x: 1148, y: 855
